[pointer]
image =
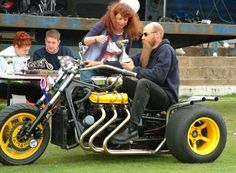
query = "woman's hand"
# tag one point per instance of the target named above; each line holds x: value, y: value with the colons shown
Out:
x: 95, y: 39
x: 91, y: 63
x: 101, y: 38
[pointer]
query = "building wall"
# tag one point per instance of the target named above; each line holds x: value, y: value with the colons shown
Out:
x: 201, y: 75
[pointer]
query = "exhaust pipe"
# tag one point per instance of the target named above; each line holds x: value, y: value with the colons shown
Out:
x: 202, y: 99
x: 99, y: 121
x: 91, y: 139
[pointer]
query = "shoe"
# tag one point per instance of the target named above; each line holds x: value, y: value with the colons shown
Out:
x: 215, y: 54
x: 180, y: 51
x: 226, y: 45
x: 127, y: 135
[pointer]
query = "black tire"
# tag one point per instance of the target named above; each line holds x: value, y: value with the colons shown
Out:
x: 196, y: 134
x: 19, y: 152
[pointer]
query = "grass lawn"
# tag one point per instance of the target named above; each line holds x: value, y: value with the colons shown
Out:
x: 76, y: 160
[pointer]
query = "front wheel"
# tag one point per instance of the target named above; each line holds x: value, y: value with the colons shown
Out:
x: 17, y: 151
x: 196, y: 134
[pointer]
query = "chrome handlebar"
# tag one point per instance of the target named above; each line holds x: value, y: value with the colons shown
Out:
x: 122, y: 71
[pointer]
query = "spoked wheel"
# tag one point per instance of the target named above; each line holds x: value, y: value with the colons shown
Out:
x: 196, y: 134
x: 203, y: 136
x: 14, y: 149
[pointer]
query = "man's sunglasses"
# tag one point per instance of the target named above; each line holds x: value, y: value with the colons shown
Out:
x: 145, y: 34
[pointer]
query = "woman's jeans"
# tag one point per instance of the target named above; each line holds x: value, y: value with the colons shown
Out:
x: 85, y: 75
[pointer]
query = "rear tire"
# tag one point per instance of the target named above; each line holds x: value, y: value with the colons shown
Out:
x: 14, y: 151
x: 196, y: 134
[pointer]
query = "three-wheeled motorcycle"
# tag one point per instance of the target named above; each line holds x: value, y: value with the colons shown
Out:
x: 88, y: 114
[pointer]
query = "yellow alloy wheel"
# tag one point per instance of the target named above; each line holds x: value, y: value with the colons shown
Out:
x: 10, y: 143
x: 203, y: 136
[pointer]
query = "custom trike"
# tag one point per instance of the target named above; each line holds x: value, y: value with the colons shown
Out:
x: 73, y: 113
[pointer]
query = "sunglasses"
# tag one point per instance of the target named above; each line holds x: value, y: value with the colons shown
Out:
x: 145, y: 34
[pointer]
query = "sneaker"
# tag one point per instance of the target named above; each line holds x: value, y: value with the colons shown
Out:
x: 226, y: 45
x: 215, y: 54
x: 180, y: 51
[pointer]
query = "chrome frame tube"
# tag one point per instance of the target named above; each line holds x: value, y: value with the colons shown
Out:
x: 175, y: 106
x: 62, y: 88
x: 123, y: 71
x: 160, y: 145
x: 190, y: 101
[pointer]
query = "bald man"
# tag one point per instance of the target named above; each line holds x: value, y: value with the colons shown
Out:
x: 157, y: 83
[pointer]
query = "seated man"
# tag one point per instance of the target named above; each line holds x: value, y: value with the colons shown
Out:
x: 157, y: 85
x: 52, y: 50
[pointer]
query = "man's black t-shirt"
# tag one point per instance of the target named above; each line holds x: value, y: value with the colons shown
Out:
x: 52, y: 58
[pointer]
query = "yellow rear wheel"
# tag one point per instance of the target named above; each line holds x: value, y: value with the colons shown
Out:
x: 196, y: 134
x: 203, y: 136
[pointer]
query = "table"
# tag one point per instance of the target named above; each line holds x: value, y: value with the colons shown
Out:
x: 18, y: 77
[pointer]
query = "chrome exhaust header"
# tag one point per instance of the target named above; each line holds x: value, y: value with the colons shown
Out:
x: 91, y: 139
x: 91, y: 128
x: 104, y: 147
x: 126, y: 120
x: 129, y: 151
x: 202, y: 98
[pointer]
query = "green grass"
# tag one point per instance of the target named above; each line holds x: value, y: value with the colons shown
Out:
x: 2, y: 103
x: 77, y: 160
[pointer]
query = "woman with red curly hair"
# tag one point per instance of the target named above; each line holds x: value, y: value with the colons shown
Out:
x: 13, y: 60
x: 18, y: 54
x: 120, y: 22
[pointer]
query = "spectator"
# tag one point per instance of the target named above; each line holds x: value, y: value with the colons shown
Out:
x: 52, y: 50
x: 214, y: 47
x: 17, y: 53
x: 180, y: 51
x: 13, y: 60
